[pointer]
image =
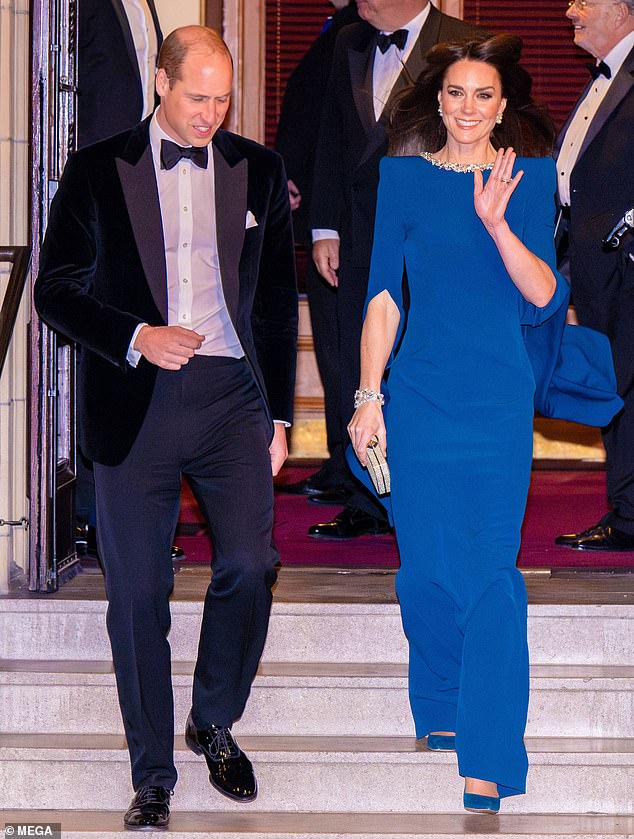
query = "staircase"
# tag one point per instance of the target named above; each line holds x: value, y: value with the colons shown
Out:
x: 328, y: 729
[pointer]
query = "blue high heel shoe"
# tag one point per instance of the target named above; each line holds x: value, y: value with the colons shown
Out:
x: 441, y: 742
x: 481, y: 803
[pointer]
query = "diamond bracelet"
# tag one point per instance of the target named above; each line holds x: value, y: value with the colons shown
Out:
x: 366, y: 395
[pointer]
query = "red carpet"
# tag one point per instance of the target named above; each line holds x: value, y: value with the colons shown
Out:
x: 558, y: 502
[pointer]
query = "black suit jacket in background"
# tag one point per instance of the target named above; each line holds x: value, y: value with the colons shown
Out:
x: 601, y: 189
x: 102, y: 272
x: 300, y: 114
x: 352, y: 142
x: 109, y: 95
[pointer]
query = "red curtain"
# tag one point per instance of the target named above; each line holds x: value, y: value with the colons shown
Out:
x: 556, y: 65
x: 291, y: 27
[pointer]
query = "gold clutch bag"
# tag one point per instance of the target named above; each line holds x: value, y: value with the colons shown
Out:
x: 377, y: 467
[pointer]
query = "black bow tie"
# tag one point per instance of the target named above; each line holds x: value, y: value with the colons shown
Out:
x: 600, y: 69
x: 171, y: 153
x: 398, y: 38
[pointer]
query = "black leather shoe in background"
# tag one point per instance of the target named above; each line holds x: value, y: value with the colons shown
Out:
x: 86, y: 542
x: 312, y: 485
x: 349, y: 524
x: 601, y: 537
x: 149, y: 809
x: 230, y: 770
x: 335, y: 497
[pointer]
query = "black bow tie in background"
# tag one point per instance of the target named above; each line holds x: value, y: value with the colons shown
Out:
x: 600, y: 69
x: 171, y: 153
x: 398, y: 38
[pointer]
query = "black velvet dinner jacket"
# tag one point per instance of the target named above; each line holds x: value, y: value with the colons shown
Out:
x: 352, y: 141
x: 601, y: 190
x: 102, y: 272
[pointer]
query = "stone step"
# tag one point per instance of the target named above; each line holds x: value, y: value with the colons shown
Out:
x: 290, y: 699
x: 75, y: 629
x: 318, y: 774
x: 104, y: 824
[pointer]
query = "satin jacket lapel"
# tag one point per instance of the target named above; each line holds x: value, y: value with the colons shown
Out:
x: 138, y: 181
x: 361, y: 63
x: 414, y: 65
x: 157, y: 26
x: 620, y: 87
x: 231, y: 184
x: 119, y: 10
x: 412, y: 69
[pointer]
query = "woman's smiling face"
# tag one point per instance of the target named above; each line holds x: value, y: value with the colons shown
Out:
x: 471, y: 99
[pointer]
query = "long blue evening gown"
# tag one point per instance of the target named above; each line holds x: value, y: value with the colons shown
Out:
x: 459, y: 429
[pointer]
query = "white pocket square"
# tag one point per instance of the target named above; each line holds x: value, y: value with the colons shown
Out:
x: 251, y: 221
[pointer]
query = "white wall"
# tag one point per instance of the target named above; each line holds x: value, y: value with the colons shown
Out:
x: 175, y: 13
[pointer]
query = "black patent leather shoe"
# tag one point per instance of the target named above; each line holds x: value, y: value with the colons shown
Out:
x: 230, y: 770
x: 335, y: 497
x: 601, y: 537
x: 85, y: 540
x: 312, y: 485
x: 348, y: 524
x: 149, y: 809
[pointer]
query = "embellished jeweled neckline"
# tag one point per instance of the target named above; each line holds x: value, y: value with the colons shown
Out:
x: 457, y: 167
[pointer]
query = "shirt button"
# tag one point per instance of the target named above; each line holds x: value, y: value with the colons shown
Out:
x: 185, y: 209
x: 184, y: 171
x: 184, y: 317
x: 185, y: 280
x: 184, y: 244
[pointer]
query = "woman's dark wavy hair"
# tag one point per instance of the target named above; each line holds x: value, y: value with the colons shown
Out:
x: 416, y: 126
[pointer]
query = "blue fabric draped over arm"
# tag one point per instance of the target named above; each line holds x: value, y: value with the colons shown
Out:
x: 572, y: 365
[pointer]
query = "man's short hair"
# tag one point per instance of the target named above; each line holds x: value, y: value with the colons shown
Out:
x: 180, y: 42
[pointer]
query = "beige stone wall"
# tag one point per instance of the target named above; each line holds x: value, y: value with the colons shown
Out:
x: 14, y: 186
x: 182, y: 13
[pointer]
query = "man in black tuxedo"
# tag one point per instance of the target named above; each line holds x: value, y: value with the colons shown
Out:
x: 169, y: 258
x: 117, y: 47
x: 297, y: 130
x: 595, y: 188
x: 118, y: 42
x: 373, y: 60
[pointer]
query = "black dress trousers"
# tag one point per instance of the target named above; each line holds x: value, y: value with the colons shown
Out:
x: 207, y: 422
x: 618, y: 437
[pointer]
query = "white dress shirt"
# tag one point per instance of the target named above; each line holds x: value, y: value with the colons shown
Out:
x: 578, y: 128
x: 386, y: 70
x: 146, y: 47
x: 195, y: 298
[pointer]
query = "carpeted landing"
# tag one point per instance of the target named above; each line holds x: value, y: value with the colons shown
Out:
x: 558, y: 502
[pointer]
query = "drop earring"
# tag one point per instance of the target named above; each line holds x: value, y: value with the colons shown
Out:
x: 498, y: 118
x: 440, y: 110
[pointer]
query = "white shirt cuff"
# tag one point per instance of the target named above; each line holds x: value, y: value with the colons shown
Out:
x: 283, y: 422
x: 134, y: 356
x: 324, y: 233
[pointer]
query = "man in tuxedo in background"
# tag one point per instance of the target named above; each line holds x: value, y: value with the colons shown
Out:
x: 118, y: 45
x: 297, y: 131
x: 595, y: 174
x: 169, y: 258
x: 373, y: 60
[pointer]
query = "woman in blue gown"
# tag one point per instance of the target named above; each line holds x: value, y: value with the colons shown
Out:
x: 463, y: 257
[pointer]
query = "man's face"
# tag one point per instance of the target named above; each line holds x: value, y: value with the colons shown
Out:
x: 194, y: 107
x: 595, y: 26
x: 389, y: 14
